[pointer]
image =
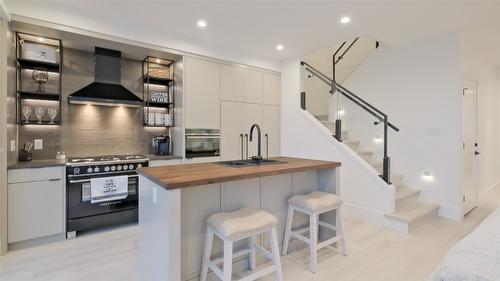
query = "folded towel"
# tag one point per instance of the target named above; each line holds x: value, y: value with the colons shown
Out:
x: 108, y: 189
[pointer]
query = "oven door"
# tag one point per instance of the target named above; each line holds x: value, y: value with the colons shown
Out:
x: 78, y: 198
x: 202, y: 143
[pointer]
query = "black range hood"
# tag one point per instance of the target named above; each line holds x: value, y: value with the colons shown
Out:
x: 107, y: 89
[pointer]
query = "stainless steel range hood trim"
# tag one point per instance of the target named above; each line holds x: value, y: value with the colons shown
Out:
x: 104, y: 102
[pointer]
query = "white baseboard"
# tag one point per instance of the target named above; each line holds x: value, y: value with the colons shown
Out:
x: 367, y: 215
x: 451, y: 212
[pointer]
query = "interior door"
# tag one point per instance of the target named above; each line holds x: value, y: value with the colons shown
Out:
x: 470, y: 147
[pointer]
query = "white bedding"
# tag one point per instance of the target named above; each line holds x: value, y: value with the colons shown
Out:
x: 476, y: 257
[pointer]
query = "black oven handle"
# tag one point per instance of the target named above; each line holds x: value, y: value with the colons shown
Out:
x: 87, y: 180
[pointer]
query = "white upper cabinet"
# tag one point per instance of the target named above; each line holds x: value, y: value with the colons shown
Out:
x: 202, y: 94
x: 272, y: 89
x: 253, y: 83
x: 271, y: 135
x: 231, y: 83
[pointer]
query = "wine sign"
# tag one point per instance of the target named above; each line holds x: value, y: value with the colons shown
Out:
x: 159, y: 97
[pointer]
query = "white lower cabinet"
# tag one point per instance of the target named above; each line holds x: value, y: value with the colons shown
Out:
x: 35, y: 207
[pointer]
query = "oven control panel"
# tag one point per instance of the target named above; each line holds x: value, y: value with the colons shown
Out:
x: 100, y: 169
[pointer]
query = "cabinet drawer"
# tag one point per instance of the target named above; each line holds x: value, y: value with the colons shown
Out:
x: 35, y: 174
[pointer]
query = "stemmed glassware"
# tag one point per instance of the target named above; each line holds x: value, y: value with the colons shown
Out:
x: 52, y: 111
x: 27, y: 113
x: 39, y: 111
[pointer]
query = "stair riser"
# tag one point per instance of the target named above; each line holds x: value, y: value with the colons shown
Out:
x: 407, y: 203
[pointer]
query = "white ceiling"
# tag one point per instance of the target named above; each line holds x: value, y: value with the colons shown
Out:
x: 248, y: 31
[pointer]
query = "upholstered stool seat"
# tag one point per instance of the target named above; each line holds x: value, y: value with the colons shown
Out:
x: 241, y: 223
x: 316, y: 201
x: 314, y: 204
x: 238, y: 225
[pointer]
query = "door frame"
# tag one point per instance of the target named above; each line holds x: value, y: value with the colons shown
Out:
x: 469, y: 83
x: 3, y: 137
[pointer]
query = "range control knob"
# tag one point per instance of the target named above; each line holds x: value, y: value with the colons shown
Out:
x: 90, y: 170
x: 76, y: 171
x: 119, y: 168
x: 130, y: 167
x: 113, y: 168
x: 106, y: 169
x: 96, y: 169
x: 125, y: 167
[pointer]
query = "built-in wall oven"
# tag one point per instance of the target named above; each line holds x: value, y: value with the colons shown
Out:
x: 202, y: 143
x: 85, y: 210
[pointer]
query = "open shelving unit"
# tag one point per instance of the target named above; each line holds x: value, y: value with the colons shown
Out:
x: 158, y: 90
x: 43, y: 56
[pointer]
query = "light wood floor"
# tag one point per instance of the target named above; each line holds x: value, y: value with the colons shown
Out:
x: 374, y: 254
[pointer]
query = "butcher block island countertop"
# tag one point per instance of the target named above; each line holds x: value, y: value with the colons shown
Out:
x: 187, y: 175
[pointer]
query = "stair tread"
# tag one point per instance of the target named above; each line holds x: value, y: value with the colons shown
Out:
x: 422, y: 209
x: 403, y: 191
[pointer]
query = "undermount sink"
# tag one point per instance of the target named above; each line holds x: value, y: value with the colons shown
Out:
x: 249, y: 162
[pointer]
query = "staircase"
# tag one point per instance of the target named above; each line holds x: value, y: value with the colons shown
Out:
x: 329, y: 100
x: 410, y: 211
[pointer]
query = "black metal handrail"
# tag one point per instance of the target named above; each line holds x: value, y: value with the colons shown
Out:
x: 349, y: 95
x: 381, y: 116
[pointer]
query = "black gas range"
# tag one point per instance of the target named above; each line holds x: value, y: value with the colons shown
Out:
x: 101, y: 191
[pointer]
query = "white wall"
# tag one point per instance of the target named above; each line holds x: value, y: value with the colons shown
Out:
x: 480, y: 62
x: 364, y: 193
x: 418, y: 86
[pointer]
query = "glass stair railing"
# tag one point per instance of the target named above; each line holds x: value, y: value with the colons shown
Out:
x: 352, y: 120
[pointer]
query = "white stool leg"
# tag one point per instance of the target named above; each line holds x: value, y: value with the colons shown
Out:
x: 273, y: 238
x: 228, y: 260
x: 288, y: 230
x: 209, y: 239
x: 251, y: 258
x: 313, y: 240
x: 340, y: 229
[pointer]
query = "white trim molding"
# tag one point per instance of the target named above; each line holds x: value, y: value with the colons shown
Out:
x: 3, y: 136
x: 4, y: 12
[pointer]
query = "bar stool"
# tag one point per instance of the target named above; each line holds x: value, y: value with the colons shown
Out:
x: 242, y: 224
x: 314, y: 204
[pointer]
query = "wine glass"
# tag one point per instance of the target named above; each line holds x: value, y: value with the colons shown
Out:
x: 39, y: 111
x: 40, y: 75
x: 27, y: 113
x: 52, y: 111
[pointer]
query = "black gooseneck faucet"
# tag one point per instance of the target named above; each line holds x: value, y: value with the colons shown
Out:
x: 259, y: 156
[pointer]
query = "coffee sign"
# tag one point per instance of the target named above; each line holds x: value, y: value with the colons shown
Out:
x: 159, y: 97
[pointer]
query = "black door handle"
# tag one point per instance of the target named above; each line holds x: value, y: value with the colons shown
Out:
x: 476, y: 153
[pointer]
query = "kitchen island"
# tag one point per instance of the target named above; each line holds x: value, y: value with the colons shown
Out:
x: 175, y: 201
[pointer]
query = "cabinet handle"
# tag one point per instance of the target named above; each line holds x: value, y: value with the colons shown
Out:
x: 54, y: 179
x: 267, y: 145
x: 241, y: 142
x: 246, y: 142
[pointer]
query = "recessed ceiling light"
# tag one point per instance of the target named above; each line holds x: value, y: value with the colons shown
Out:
x: 202, y: 23
x: 41, y: 39
x: 158, y: 60
x: 280, y: 47
x: 345, y: 20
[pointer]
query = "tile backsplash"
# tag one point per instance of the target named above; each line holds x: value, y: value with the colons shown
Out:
x: 90, y: 129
